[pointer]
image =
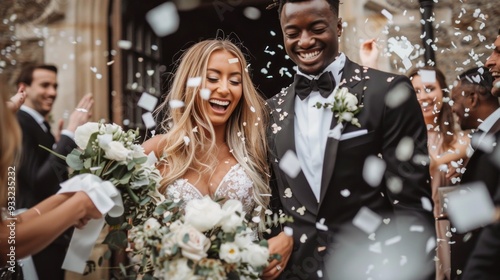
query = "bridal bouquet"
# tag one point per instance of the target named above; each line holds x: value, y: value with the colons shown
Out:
x: 114, y: 155
x: 204, y: 240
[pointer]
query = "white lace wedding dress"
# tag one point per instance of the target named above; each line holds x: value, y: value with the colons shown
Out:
x: 236, y: 184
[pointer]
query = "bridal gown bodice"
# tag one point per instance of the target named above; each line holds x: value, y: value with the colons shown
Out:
x: 236, y: 184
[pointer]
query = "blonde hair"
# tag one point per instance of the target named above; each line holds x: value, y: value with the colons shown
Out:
x: 245, y: 130
x: 10, y: 144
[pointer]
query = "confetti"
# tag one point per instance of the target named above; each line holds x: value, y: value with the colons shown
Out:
x: 174, y: 104
x: 373, y: 170
x: 367, y: 220
x: 147, y: 101
x: 233, y: 60
x: 404, y: 150
x: 345, y: 193
x: 426, y: 203
x: 205, y: 93
x: 193, y: 82
x: 301, y: 210
x: 397, y: 96
x: 392, y: 240
x: 387, y: 14
x: 290, y: 164
x: 124, y: 44
x: 251, y: 13
x: 163, y: 19
x: 186, y: 140
x: 148, y: 120
x: 288, y: 193
x: 376, y: 248
x: 321, y: 225
x: 470, y: 206
x: 427, y: 76
x: 288, y: 231
x: 303, y: 238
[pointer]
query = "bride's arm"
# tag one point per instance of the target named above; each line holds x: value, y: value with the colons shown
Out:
x: 281, y: 244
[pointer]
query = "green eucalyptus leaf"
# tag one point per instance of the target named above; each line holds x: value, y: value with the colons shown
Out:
x: 74, y: 161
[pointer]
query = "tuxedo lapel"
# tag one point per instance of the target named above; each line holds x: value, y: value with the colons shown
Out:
x: 351, y: 78
x: 285, y: 141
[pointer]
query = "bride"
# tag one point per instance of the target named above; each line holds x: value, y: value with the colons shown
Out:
x: 215, y: 141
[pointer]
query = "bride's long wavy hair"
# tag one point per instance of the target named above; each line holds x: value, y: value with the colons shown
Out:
x: 245, y: 131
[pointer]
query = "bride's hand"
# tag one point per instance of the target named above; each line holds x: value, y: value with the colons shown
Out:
x: 282, y: 245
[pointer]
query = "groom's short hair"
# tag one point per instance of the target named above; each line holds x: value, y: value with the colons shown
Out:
x: 334, y: 4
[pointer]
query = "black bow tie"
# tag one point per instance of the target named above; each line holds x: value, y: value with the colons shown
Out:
x: 325, y: 85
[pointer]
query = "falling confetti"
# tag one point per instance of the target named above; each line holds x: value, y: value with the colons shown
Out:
x: 193, y: 82
x: 373, y: 170
x: 148, y: 120
x: 290, y: 164
x: 147, y: 101
x: 367, y: 220
x: 163, y: 19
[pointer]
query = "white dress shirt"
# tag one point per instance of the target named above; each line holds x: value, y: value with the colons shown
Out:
x: 312, y: 126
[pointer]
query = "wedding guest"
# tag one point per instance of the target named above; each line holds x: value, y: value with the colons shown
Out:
x: 15, y: 102
x: 36, y: 228
x: 40, y: 172
x: 329, y: 195
x: 368, y: 53
x: 215, y: 143
x: 477, y: 108
x: 447, y: 150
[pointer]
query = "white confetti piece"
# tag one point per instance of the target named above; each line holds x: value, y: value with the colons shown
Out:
x: 124, y: 44
x: 397, y: 96
x: 403, y: 48
x: 427, y: 76
x: 288, y: 231
x: 205, y: 93
x: 345, y: 193
x: 303, y: 238
x: 375, y: 248
x: 404, y: 150
x: 174, y: 104
x: 386, y: 14
x: 147, y: 101
x: 321, y: 225
x: 386, y: 221
x: 148, y: 120
x: 373, y: 170
x: 301, y: 210
x: 470, y: 206
x: 186, y: 140
x: 395, y: 184
x: 290, y: 164
x: 417, y: 228
x: 163, y: 19
x: 233, y: 60
x: 426, y: 203
x: 256, y: 219
x: 288, y: 193
x: 150, y: 72
x: 251, y: 13
x: 193, y: 82
x: 392, y: 240
x: 367, y: 220
x: 319, y: 273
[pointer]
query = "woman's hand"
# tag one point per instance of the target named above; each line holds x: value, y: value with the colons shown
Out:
x: 368, y: 53
x: 17, y: 100
x: 281, y: 244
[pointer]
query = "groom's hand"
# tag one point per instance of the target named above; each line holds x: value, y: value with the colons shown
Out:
x: 281, y: 244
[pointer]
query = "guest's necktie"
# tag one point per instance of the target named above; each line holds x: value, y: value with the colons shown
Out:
x: 49, y: 133
x: 324, y: 84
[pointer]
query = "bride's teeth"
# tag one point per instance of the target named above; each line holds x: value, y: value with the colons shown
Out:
x: 219, y: 102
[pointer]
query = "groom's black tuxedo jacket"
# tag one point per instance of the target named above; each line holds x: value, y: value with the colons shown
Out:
x: 39, y: 172
x: 342, y: 170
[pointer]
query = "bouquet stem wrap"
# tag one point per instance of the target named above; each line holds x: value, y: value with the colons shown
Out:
x: 107, y: 200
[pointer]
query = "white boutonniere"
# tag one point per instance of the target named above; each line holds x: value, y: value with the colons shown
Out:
x: 345, y: 106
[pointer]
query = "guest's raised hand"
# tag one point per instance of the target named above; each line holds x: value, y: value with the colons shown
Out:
x: 18, y: 99
x: 368, y: 53
x: 82, y: 113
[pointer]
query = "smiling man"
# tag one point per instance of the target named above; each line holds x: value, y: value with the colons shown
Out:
x: 330, y: 199
x: 39, y: 171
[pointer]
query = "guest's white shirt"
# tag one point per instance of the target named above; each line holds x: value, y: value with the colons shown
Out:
x: 312, y: 126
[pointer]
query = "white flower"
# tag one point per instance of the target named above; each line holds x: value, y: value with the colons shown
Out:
x: 256, y: 255
x: 193, y: 243
x: 137, y: 151
x: 104, y: 140
x: 232, y: 216
x: 151, y: 226
x: 83, y: 133
x: 116, y: 151
x: 345, y: 106
x: 139, y: 243
x: 178, y: 269
x: 244, y: 238
x: 230, y: 252
x: 203, y: 214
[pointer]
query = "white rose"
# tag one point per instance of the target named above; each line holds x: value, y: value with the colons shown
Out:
x: 230, y: 252
x: 196, y: 246
x: 347, y: 116
x: 139, y: 244
x: 116, y: 151
x: 104, y: 140
x: 230, y: 220
x: 203, y: 214
x: 256, y: 255
x: 351, y: 102
x: 244, y: 238
x: 151, y: 226
x: 83, y: 133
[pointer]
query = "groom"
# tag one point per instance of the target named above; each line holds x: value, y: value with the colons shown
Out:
x: 361, y: 201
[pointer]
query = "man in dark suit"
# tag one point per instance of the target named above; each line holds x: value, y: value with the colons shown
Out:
x: 484, y: 261
x: 40, y: 172
x: 476, y: 109
x: 354, y: 199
